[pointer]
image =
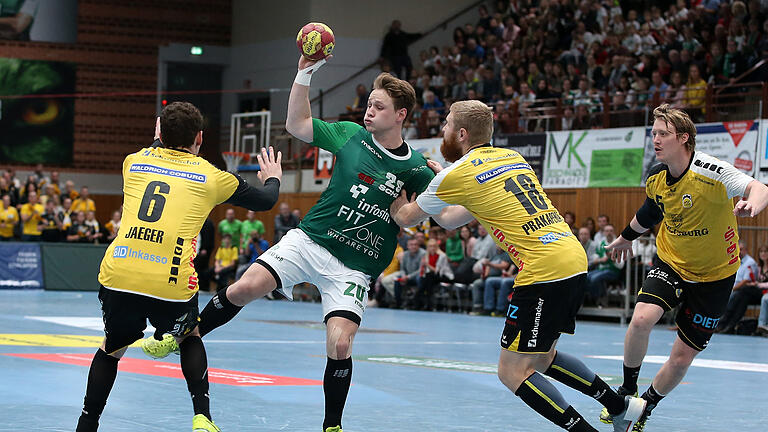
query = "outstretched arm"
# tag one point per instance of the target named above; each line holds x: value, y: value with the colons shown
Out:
x: 299, y: 120
x: 754, y: 200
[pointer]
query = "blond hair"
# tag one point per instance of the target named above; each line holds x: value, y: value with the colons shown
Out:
x: 476, y: 118
x: 680, y: 120
x: 402, y: 93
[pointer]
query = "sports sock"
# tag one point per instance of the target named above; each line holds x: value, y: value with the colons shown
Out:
x: 543, y: 397
x: 194, y: 365
x: 572, y: 372
x: 653, y: 397
x: 630, y: 378
x: 217, y: 312
x: 336, y: 382
x: 101, y: 377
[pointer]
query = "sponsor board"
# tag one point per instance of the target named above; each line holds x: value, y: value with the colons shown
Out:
x: 594, y: 158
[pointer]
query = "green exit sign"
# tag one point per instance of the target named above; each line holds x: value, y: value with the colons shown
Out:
x: 196, y: 50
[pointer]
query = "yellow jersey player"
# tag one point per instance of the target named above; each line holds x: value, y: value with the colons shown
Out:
x: 691, y: 193
x: 499, y: 188
x: 147, y: 271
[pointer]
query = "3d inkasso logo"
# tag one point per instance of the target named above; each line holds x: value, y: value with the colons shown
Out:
x: 127, y: 252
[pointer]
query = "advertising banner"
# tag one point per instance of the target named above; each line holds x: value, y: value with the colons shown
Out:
x: 734, y: 142
x: 530, y: 146
x: 762, y: 153
x: 594, y: 158
x: 20, y: 266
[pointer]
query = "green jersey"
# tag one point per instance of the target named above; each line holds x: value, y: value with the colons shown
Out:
x: 232, y: 228
x: 351, y: 219
x: 246, y: 227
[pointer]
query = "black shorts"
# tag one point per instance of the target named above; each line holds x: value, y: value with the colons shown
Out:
x: 125, y: 317
x: 538, y: 313
x: 701, y: 303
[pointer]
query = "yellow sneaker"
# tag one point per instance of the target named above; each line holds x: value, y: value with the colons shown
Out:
x: 201, y: 423
x: 334, y: 429
x: 158, y: 349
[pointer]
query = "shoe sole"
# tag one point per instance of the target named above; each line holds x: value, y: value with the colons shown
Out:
x: 635, y: 410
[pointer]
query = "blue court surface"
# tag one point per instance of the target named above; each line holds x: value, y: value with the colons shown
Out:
x: 413, y: 371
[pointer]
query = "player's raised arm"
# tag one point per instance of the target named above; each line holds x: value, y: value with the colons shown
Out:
x: 299, y: 120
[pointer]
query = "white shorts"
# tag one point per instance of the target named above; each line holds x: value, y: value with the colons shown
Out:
x: 296, y: 259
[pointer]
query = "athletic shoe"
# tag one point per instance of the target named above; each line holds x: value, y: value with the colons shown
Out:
x: 634, y: 409
x: 640, y: 425
x: 605, y: 416
x: 201, y: 423
x: 158, y: 349
x: 334, y: 429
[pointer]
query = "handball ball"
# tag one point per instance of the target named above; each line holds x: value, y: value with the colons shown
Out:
x: 315, y: 41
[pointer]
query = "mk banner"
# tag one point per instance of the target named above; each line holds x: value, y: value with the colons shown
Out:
x: 594, y: 158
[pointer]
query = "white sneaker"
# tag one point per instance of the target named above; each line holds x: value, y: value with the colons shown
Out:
x: 635, y: 407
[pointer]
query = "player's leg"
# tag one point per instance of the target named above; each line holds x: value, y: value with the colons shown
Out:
x: 518, y: 372
x: 343, y: 292
x: 661, y: 291
x: 280, y: 267
x: 702, y: 305
x: 124, y: 323
x: 255, y: 283
x: 644, y: 317
x: 180, y: 321
x: 341, y: 329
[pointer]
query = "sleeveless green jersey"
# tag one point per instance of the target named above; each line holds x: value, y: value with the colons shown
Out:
x: 351, y: 219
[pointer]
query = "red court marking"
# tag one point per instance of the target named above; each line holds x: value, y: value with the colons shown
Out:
x: 173, y: 370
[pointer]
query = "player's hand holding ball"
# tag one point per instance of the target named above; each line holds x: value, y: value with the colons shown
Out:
x: 315, y: 42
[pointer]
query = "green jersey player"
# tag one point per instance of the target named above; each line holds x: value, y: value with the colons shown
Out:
x: 347, y: 238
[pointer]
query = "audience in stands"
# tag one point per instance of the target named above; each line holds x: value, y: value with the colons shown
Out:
x: 539, y: 58
x: 249, y: 225
x: 83, y: 202
x: 745, y: 290
x: 499, y: 274
x: 606, y: 270
x: 31, y: 216
x: 255, y: 245
x: 284, y: 222
x: 435, y: 268
x: 231, y: 226
x: 9, y: 218
x: 225, y: 262
x: 79, y: 231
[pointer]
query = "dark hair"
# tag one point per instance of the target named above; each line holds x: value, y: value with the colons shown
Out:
x: 179, y: 124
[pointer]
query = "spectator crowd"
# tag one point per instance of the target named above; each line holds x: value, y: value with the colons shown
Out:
x: 538, y: 61
x: 43, y: 208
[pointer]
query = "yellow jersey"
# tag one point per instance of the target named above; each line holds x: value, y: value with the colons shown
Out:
x: 699, y: 235
x: 394, y: 265
x: 227, y: 256
x: 8, y: 220
x: 35, y: 211
x: 502, y: 192
x: 168, y: 194
x: 83, y: 205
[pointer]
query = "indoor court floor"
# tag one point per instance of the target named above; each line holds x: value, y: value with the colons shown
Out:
x: 413, y: 371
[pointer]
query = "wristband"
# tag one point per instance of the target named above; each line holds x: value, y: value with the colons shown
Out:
x: 304, y: 76
x: 630, y: 234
